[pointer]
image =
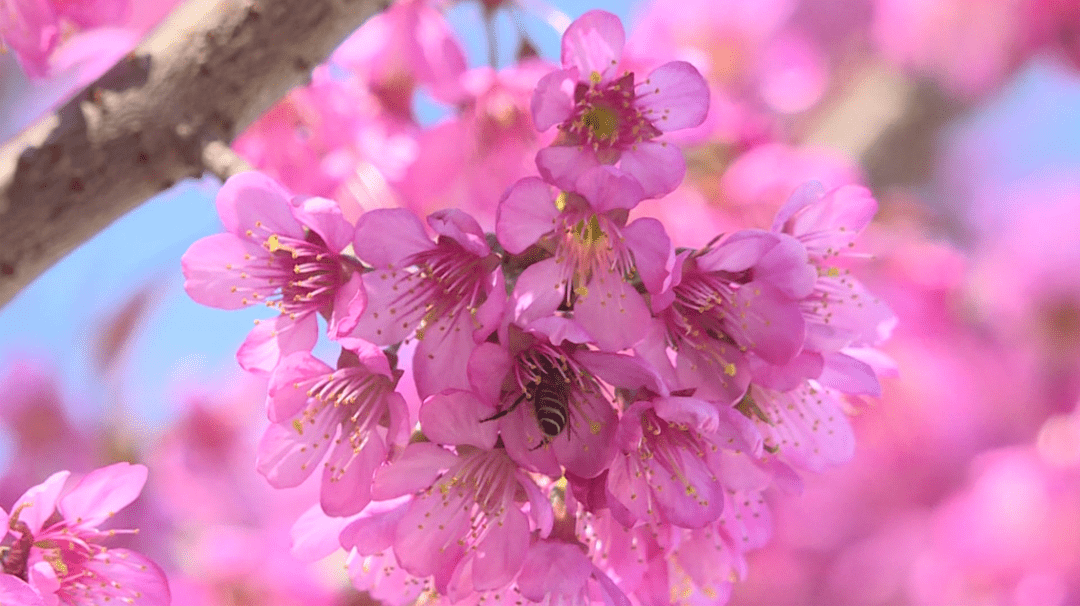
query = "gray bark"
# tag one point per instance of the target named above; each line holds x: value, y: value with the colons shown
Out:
x: 165, y: 113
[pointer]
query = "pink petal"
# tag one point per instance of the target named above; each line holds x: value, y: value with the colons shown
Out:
x: 385, y: 237
x: 540, y: 510
x: 499, y: 556
x: 810, y: 428
x: 30, y: 28
x: 613, y: 313
x: 417, y: 468
x: 453, y: 418
x: 841, y: 312
x: 462, y: 228
x: 553, y: 99
x: 133, y: 578
x: 324, y: 217
x: 490, y: 313
x: 373, y: 531
x: 658, y: 167
x: 442, y: 356
x: 15, y: 591
x: 611, y: 594
x: 539, y: 291
x: 627, y: 487
x: 285, y: 394
x: 521, y: 435
x: 370, y: 355
x: 619, y: 370
x: 525, y: 214
x: 654, y: 256
x: 784, y: 377
x: 215, y: 272
x: 347, y: 476
x: 426, y: 539
x: 831, y: 223
x: 693, y: 412
x: 43, y: 579
x: 488, y: 366
x: 594, y: 43
x: 849, y: 375
x: 558, y: 329
x: 722, y: 383
x: 674, y: 96
x: 38, y: 503
x: 288, y: 453
x: 350, y: 301
x: 553, y: 567
x: 691, y: 499
x: 382, y: 322
x: 587, y: 446
x: 768, y: 322
x: 314, y: 535
x: 804, y: 195
x: 562, y: 165
x: 253, y: 201
x: 608, y: 188
x: 272, y: 339
x: 97, y: 13
x: 103, y: 492
x: 739, y: 251
x: 787, y: 267
x: 400, y: 427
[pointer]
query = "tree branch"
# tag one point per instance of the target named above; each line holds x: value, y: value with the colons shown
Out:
x: 891, y: 123
x: 165, y: 113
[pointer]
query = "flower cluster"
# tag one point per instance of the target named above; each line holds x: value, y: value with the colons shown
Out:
x: 596, y: 413
x: 53, y: 552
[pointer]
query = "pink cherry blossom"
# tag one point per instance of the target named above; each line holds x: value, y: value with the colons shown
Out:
x: 556, y: 572
x: 41, y: 432
x: 738, y: 296
x: 463, y: 525
x: 57, y: 552
x: 318, y: 412
x: 408, y: 44
x: 605, y: 117
x: 840, y: 312
x: 94, y: 13
x: 669, y: 468
x: 585, y: 229
x: 31, y: 29
x: 448, y: 293
x: 505, y: 383
x: 285, y: 256
x: 476, y: 154
x: 806, y: 425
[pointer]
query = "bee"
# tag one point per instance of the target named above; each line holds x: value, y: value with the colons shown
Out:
x: 549, y: 393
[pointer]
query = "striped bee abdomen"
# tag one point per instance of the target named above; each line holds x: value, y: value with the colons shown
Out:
x: 550, y: 404
x: 548, y: 390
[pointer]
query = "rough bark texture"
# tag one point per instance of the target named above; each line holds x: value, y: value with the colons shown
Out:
x: 165, y: 113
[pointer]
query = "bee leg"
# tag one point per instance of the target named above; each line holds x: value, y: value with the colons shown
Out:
x: 543, y: 443
x: 503, y: 413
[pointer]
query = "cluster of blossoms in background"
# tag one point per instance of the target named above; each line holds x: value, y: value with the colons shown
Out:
x: 595, y: 335
x: 580, y: 386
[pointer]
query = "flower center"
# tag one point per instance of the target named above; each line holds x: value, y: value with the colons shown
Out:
x: 605, y: 118
x: 356, y: 390
x: 590, y: 245
x: 602, y: 121
x: 448, y: 281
